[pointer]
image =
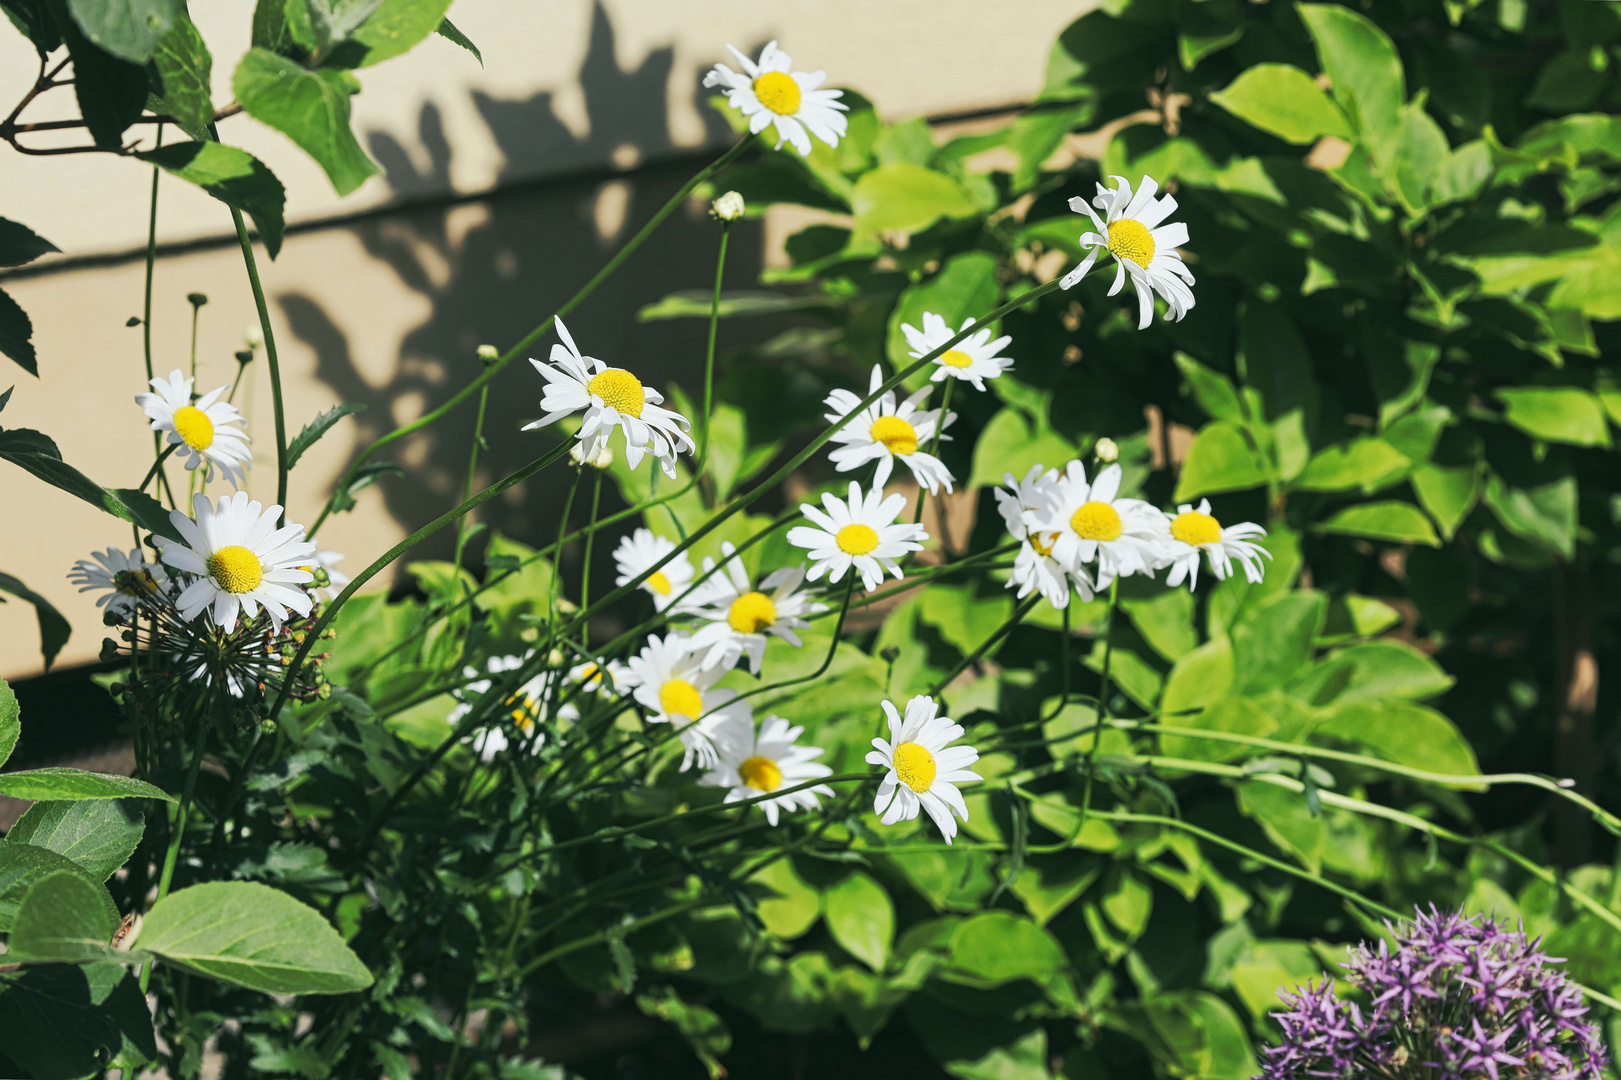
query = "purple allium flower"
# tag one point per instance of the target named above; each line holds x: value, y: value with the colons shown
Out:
x: 1458, y: 998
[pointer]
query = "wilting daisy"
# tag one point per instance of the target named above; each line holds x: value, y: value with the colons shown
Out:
x: 860, y: 532
x: 611, y: 397
x: 885, y: 431
x: 1193, y: 531
x: 205, y: 431
x: 1130, y: 230
x: 1123, y: 536
x: 669, y: 681
x: 924, y: 768
x: 640, y: 550
x: 751, y: 766
x: 972, y: 359
x: 128, y: 580
x: 768, y: 93
x: 241, y: 561
x: 739, y: 617
x: 1034, y: 567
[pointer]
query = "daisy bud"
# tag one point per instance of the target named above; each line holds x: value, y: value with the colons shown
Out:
x: 254, y: 336
x: 555, y: 658
x: 487, y: 353
x: 567, y: 607
x: 1107, y: 450
x: 729, y: 207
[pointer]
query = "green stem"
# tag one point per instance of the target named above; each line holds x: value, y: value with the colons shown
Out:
x: 170, y: 857
x: 1103, y: 700
x: 146, y: 309
x: 472, y: 474
x: 986, y: 646
x: 585, y: 562
x: 275, y: 371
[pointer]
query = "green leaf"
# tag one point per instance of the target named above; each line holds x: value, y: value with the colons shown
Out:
x: 861, y: 919
x: 234, y: 177
x: 1204, y: 1035
x: 965, y: 288
x: 19, y: 244
x: 1165, y: 620
x: 1420, y: 150
x: 54, y: 630
x: 184, y: 68
x: 1463, y: 174
x: 365, y: 477
x: 1128, y: 902
x: 1269, y: 968
x: 79, y: 1018
x: 997, y: 947
x: 1211, y: 389
x: 904, y: 198
x: 1372, y: 671
x: 1008, y: 445
x: 111, y: 92
x: 100, y: 834
x: 313, y: 430
x: 128, y: 29
x: 396, y: 26
x: 1405, y: 733
x: 1565, y: 414
x: 61, y: 918
x: 1396, y: 522
x: 1545, y: 515
x: 964, y: 618
x: 1273, y: 640
x: 16, y: 335
x: 21, y: 865
x: 309, y: 107
x: 142, y: 509
x: 696, y: 304
x: 1198, y: 678
x: 1230, y: 715
x: 1220, y: 459
x: 76, y: 784
x: 1363, y: 66
x: 251, y: 935
x: 1369, y: 464
x: 1284, y: 101
x: 10, y: 728
x: 38, y: 454
x: 792, y: 906
x: 448, y: 31
x: 1447, y: 493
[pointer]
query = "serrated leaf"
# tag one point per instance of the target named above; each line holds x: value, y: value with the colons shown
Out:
x: 448, y: 31
x: 309, y: 107
x: 19, y: 244
x: 10, y: 721
x: 75, y: 784
x: 100, y: 835
x: 251, y: 935
x: 54, y: 630
x: 313, y: 430
x: 396, y: 26
x: 128, y: 29
x: 184, y: 68
x: 234, y: 177
x: 16, y: 335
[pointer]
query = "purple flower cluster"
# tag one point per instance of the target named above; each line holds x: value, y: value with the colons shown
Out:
x: 1457, y: 999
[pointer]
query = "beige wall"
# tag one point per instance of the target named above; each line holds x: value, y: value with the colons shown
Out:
x: 387, y: 309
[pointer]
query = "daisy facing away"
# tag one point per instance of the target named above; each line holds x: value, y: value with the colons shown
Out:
x: 127, y: 580
x: 668, y: 680
x: 860, y: 532
x: 739, y: 617
x: 924, y: 768
x: 887, y: 431
x: 206, y: 431
x: 240, y: 561
x: 767, y: 93
x: 1034, y: 567
x: 640, y: 550
x: 1130, y: 230
x: 1193, y: 531
x: 973, y: 359
x: 1091, y: 523
x: 752, y: 765
x: 611, y: 398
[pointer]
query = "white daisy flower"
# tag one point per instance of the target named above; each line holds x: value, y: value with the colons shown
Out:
x: 1034, y: 568
x: 885, y: 431
x: 598, y: 678
x: 972, y: 359
x: 1123, y: 536
x: 669, y: 681
x: 128, y: 580
x: 640, y: 550
x: 1131, y: 231
x: 611, y: 398
x: 1193, y: 531
x: 241, y: 561
x: 768, y: 93
x: 520, y: 712
x: 739, y: 617
x: 336, y: 580
x: 860, y: 532
x: 924, y: 768
x: 205, y: 431
x: 751, y: 766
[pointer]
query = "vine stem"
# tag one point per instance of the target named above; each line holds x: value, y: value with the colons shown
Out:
x: 275, y: 370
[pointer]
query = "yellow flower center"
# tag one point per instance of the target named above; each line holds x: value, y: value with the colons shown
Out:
x: 751, y: 613
x: 591, y: 677
x: 678, y: 697
x: 1043, y: 547
x: 761, y: 774
x: 136, y: 583
x: 194, y: 426
x: 915, y: 766
x: 956, y: 358
x: 896, y: 434
x: 1096, y: 521
x: 856, y: 539
x: 1196, y: 528
x: 523, y: 713
x: 658, y: 583
x: 1130, y: 239
x: 778, y: 92
x: 235, y: 569
x: 618, y: 389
